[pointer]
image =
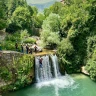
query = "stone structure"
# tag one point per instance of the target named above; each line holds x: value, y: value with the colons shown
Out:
x: 16, y: 70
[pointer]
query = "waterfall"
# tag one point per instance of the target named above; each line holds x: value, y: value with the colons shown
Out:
x: 48, y: 74
x: 48, y: 69
x: 55, y: 65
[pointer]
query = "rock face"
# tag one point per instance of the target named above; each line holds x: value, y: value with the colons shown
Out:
x: 16, y: 70
x: 84, y: 71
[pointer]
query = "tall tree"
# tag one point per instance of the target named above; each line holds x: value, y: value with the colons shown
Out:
x: 22, y: 19
x: 52, y: 23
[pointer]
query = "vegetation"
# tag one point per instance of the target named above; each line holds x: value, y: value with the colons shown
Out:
x: 77, y: 34
x: 2, y: 16
x: 10, y: 40
x: 30, y: 40
x: 19, y: 74
x: 50, y: 27
x: 69, y: 27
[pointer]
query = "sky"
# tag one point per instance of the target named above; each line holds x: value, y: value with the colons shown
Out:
x: 39, y: 1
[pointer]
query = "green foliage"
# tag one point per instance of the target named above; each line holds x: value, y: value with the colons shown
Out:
x: 13, y: 4
x: 49, y: 34
x: 4, y: 73
x: 91, y: 46
x: 12, y: 27
x: 20, y: 72
x: 19, y: 37
x: 10, y: 40
x: 65, y: 47
x: 74, y: 23
x: 30, y: 40
x: 76, y: 17
x: 35, y: 10
x: 3, y: 21
x: 50, y: 39
x: 13, y: 37
x: 38, y: 20
x: 66, y: 56
x: 91, y: 66
x: 55, y: 8
x: 23, y: 35
x: 51, y: 23
x: 22, y: 18
x: 91, y: 57
x: 8, y: 45
x: 24, y: 69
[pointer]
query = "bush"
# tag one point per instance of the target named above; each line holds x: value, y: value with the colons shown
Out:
x: 68, y: 60
x: 91, y: 67
x: 30, y: 40
x: 4, y: 73
x: 8, y: 45
x: 23, y: 35
x: 13, y: 37
x: 10, y: 40
x: 50, y: 39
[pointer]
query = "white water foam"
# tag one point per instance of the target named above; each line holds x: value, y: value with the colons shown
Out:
x: 49, y: 74
x: 61, y: 82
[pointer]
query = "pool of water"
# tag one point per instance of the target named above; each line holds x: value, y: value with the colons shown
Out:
x: 74, y: 85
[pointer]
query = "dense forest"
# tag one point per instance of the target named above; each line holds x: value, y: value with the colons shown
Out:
x: 69, y: 26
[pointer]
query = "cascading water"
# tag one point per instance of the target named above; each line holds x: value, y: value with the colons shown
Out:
x: 55, y: 65
x: 49, y: 74
x: 44, y: 72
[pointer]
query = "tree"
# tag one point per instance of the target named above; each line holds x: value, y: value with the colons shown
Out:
x: 50, y: 39
x: 55, y: 8
x: 65, y: 53
x: 38, y: 20
x: 51, y: 23
x: 91, y: 57
x: 22, y: 19
x: 35, y: 10
x: 3, y: 22
x: 50, y: 33
x: 13, y: 4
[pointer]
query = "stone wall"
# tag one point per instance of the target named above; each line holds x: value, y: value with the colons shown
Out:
x: 16, y: 70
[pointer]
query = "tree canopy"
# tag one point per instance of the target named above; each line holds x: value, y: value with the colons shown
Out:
x: 3, y: 20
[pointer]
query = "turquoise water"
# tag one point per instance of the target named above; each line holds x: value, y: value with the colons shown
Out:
x: 76, y: 85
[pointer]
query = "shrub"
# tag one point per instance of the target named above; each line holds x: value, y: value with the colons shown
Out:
x: 13, y: 37
x: 50, y: 38
x: 9, y: 45
x: 68, y: 60
x: 30, y: 40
